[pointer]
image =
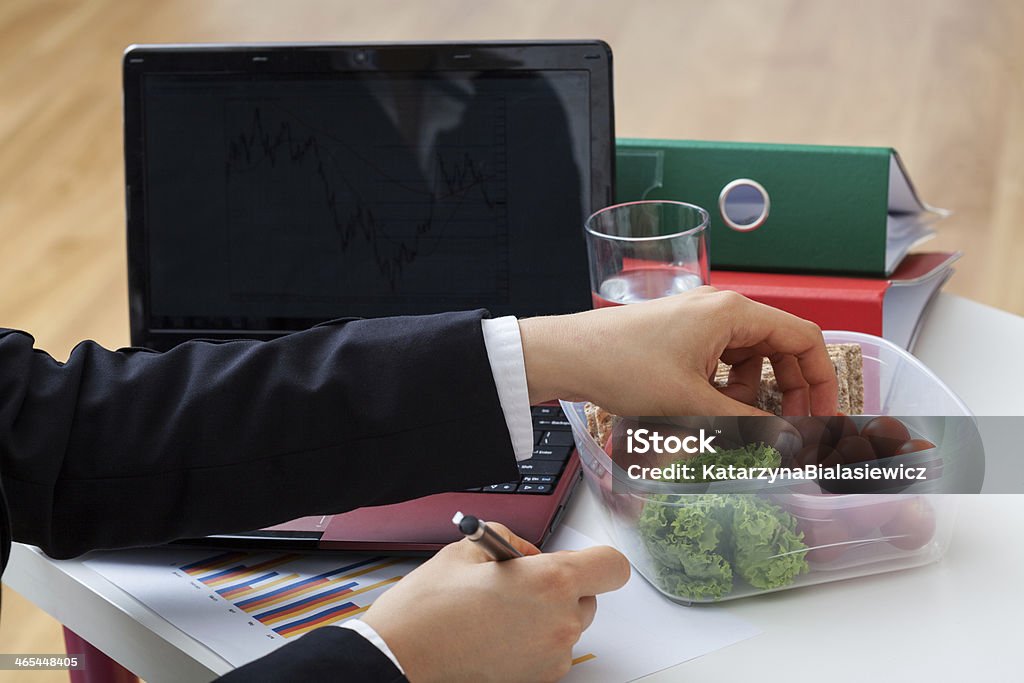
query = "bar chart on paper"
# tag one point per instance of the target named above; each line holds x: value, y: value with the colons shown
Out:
x: 246, y: 604
x: 290, y: 603
x: 243, y: 605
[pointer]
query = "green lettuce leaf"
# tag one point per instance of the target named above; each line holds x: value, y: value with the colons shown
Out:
x: 685, y: 536
x: 699, y: 542
x: 767, y: 550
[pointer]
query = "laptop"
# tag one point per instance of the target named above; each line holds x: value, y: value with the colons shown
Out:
x: 273, y: 187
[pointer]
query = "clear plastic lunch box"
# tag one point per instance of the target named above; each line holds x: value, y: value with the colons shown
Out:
x: 721, y: 541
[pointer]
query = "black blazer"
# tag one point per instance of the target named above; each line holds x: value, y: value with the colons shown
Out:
x: 134, y: 447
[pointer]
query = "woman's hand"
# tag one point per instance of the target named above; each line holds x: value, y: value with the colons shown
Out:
x: 658, y: 357
x: 461, y: 616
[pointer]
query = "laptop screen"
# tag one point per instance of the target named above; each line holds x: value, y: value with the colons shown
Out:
x: 276, y: 200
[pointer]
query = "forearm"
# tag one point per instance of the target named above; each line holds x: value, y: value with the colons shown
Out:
x: 553, y: 349
x: 135, y: 447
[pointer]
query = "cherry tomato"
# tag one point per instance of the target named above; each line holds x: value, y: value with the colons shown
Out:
x: 914, y: 446
x: 827, y: 540
x: 839, y: 427
x: 886, y: 434
x: 876, y: 511
x: 855, y: 449
x: 812, y: 430
x: 933, y: 466
x: 819, y: 454
x: 913, y: 525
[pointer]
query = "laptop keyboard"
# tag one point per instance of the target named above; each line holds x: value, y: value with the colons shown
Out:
x: 552, y: 444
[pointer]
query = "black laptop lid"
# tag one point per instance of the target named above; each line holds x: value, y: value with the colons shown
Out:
x: 274, y: 187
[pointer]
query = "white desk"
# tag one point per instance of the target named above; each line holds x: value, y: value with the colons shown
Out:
x: 959, y: 619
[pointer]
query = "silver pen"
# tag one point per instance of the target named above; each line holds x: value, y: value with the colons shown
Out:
x: 493, y: 543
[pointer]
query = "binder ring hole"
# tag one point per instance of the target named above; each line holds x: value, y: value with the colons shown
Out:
x: 744, y: 204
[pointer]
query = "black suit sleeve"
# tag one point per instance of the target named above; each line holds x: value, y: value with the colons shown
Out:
x: 112, y: 449
x: 326, y: 654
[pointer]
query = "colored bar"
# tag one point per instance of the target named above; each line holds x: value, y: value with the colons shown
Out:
x: 311, y: 584
x: 214, y: 562
x: 347, y: 594
x: 583, y: 658
x: 282, y: 594
x: 284, y: 611
x: 245, y: 584
x: 297, y: 628
x: 252, y: 589
x: 226, y: 577
x: 324, y: 617
x: 356, y: 565
x: 326, y: 622
x: 337, y: 618
x: 229, y: 572
x: 382, y: 565
x: 367, y: 589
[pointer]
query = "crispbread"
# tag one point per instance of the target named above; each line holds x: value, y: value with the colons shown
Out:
x: 848, y: 362
x: 599, y: 422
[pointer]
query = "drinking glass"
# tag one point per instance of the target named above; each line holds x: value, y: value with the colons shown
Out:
x: 646, y: 250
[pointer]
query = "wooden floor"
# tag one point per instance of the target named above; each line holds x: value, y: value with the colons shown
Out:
x: 940, y: 80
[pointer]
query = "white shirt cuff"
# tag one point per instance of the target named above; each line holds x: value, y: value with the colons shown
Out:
x: 505, y: 353
x: 368, y: 632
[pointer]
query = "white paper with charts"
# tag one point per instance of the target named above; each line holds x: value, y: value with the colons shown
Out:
x: 244, y: 605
